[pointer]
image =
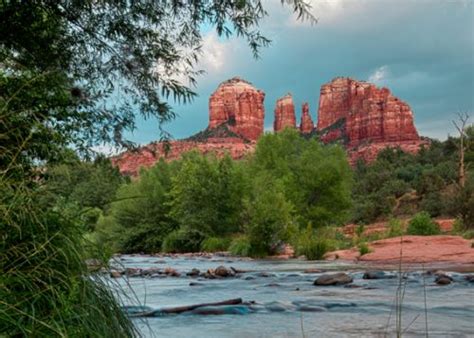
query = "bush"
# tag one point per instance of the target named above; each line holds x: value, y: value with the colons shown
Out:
x: 313, y: 248
x: 395, y: 227
x: 458, y: 226
x: 183, y: 240
x: 422, y: 224
x: 360, y: 230
x: 363, y: 248
x: 240, y: 246
x: 314, y: 244
x: 213, y: 244
x: 433, y: 204
x: 469, y: 234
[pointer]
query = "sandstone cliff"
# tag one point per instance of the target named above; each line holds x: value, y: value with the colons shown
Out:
x: 363, y: 113
x: 236, y: 117
x: 284, y: 113
x: 240, y: 105
x: 306, y: 125
x: 365, y: 118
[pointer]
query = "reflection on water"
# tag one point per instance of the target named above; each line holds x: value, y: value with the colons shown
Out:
x: 288, y: 305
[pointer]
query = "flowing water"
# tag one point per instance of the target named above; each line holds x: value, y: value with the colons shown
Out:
x: 287, y: 304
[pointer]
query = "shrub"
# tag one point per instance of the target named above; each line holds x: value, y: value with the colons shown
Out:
x: 395, y: 227
x: 213, y: 244
x: 422, y: 224
x: 458, y: 226
x: 469, y: 234
x: 240, y: 246
x: 363, y: 248
x: 314, y: 244
x: 183, y: 240
x: 433, y: 204
x: 360, y: 230
x: 313, y: 248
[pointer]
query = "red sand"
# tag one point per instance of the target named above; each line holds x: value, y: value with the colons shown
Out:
x: 445, y: 224
x: 415, y: 249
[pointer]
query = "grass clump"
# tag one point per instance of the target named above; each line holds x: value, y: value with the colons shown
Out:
x: 313, y: 248
x: 46, y: 289
x: 469, y: 234
x: 214, y: 244
x: 363, y: 248
x: 422, y: 225
x: 240, y: 246
x: 360, y: 230
x: 314, y: 244
x: 395, y: 227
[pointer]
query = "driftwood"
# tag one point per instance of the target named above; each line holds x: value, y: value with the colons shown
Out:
x: 185, y: 308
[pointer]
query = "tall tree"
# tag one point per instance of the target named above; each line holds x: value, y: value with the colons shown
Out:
x: 461, y: 127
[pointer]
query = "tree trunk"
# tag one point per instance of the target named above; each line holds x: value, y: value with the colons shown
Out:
x: 185, y: 308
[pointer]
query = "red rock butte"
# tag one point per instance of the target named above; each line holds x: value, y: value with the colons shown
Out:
x: 366, y: 119
x: 306, y: 125
x: 357, y: 114
x: 240, y: 105
x: 284, y: 113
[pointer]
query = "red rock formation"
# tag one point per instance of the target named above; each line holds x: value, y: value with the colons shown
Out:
x: 306, y: 125
x: 284, y: 113
x: 236, y: 115
x: 237, y: 103
x: 130, y: 162
x: 366, y: 118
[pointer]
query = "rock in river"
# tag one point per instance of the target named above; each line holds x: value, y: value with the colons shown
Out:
x: 443, y: 280
x: 377, y: 275
x: 194, y: 272
x: 222, y: 271
x: 333, y: 279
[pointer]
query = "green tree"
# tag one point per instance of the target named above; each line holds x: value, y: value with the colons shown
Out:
x: 268, y: 215
x: 141, y: 210
x: 90, y: 184
x: 316, y: 179
x: 207, y: 194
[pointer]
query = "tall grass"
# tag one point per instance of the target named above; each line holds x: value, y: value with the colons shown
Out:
x: 45, y: 287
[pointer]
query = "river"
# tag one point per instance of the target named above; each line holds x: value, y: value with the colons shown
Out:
x: 287, y: 303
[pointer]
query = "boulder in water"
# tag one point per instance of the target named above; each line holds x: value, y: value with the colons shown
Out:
x: 115, y: 274
x: 132, y: 272
x: 222, y: 271
x: 469, y: 278
x: 194, y: 272
x: 377, y: 275
x: 171, y: 272
x: 312, y: 270
x: 443, y: 280
x: 310, y: 308
x: 333, y: 279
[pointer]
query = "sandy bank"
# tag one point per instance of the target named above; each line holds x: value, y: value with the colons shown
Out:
x: 413, y: 250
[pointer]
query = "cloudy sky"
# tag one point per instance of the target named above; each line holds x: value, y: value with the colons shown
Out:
x: 422, y: 50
